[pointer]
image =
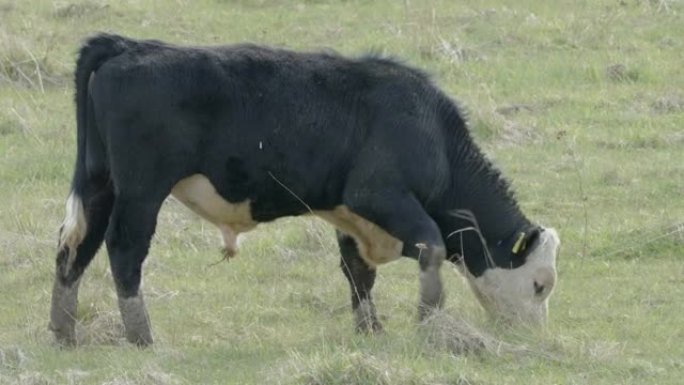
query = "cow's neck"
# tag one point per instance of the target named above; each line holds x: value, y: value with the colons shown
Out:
x: 478, y: 187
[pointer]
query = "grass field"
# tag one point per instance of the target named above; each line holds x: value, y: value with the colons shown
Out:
x: 580, y: 103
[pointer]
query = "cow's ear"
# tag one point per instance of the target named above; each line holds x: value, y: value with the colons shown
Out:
x: 525, y: 240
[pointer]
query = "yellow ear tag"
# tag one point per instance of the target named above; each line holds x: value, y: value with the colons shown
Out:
x: 518, y: 244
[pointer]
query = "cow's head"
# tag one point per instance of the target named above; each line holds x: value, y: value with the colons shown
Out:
x: 519, y: 277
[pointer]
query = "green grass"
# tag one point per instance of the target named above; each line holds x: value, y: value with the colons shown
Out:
x: 581, y: 103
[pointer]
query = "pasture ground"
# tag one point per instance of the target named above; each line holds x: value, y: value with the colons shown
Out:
x: 581, y: 103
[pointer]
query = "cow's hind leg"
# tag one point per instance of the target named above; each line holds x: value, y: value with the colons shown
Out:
x: 81, y: 236
x: 404, y: 218
x: 130, y: 231
x: 361, y: 278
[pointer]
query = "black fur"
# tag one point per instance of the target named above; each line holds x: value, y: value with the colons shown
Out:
x: 368, y: 133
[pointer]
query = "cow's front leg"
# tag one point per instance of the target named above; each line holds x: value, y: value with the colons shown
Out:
x: 361, y: 278
x: 128, y: 239
x: 403, y: 217
x: 430, y: 258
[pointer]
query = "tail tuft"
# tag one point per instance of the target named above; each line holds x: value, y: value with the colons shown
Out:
x: 73, y: 229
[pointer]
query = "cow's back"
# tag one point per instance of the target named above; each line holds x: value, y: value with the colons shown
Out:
x: 253, y: 120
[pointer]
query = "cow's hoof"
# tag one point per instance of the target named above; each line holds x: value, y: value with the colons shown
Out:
x: 370, y: 327
x: 140, y: 340
x: 228, y: 253
x: 425, y: 312
x: 136, y: 321
x: 64, y: 336
x: 365, y: 319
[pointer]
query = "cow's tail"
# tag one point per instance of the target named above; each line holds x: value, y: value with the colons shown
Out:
x: 91, y: 175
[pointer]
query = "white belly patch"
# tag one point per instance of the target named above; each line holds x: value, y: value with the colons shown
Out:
x: 375, y: 245
x: 196, y: 192
x: 199, y: 195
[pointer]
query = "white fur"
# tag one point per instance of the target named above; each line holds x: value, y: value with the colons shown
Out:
x: 197, y: 193
x: 74, y: 227
x: 375, y: 245
x: 510, y: 293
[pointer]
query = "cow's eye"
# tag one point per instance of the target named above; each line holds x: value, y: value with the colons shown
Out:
x: 538, y: 288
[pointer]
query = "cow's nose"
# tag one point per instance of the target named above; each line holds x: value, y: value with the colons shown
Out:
x: 543, y: 282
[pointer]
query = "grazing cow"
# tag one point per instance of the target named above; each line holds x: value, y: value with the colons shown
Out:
x: 244, y: 134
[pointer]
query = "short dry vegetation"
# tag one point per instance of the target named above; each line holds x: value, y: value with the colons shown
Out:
x: 579, y: 103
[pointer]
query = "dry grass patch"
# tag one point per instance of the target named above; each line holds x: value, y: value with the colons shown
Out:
x: 12, y: 358
x: 644, y: 241
x: 668, y: 103
x: 97, y: 327
x: 514, y: 133
x: 504, y: 132
x: 148, y: 376
x: 458, y: 336
x: 66, y: 10
x: 651, y: 142
x: 453, y: 51
x: 24, y: 65
x: 676, y: 138
x: 354, y: 368
x: 13, y: 363
x: 26, y: 378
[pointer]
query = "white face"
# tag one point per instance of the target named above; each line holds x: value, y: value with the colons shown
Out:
x: 521, y: 294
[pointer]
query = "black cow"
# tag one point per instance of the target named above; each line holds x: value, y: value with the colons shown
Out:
x: 244, y: 134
